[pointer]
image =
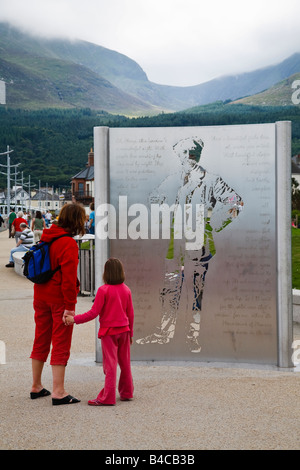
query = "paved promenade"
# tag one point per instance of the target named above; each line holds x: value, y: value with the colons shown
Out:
x: 179, y: 406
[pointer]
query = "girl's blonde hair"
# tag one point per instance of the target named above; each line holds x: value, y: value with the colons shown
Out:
x: 113, y: 272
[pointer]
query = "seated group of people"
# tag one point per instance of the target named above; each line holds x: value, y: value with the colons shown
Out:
x: 24, y: 236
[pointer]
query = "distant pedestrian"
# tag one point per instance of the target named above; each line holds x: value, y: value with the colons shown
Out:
x: 37, y: 225
x: 48, y: 218
x: 16, y: 230
x: 113, y: 305
x: 11, y: 218
x: 87, y: 224
x: 92, y: 219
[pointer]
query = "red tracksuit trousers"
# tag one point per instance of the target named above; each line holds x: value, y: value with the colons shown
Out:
x: 116, y: 350
x: 50, y: 329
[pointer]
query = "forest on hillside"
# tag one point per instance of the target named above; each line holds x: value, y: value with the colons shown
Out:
x: 52, y: 145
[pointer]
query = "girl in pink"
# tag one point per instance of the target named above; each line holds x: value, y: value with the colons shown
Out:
x: 113, y: 305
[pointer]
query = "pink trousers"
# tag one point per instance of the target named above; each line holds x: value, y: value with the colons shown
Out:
x: 116, y: 350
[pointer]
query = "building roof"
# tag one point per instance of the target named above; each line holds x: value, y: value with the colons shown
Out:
x: 44, y: 196
x: 13, y: 192
x: 86, y: 174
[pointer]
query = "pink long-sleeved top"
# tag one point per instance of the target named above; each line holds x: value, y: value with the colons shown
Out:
x: 113, y: 305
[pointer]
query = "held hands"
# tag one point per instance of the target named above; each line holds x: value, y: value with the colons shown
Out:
x: 68, y: 317
x: 69, y: 320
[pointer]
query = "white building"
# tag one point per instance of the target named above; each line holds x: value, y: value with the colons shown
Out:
x: 44, y: 200
x: 19, y: 199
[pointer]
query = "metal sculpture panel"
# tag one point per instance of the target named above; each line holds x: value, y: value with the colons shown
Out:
x: 192, y: 215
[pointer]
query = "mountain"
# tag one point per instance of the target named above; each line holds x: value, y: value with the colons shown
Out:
x: 237, y: 86
x: 52, y: 83
x: 43, y: 73
x: 279, y: 94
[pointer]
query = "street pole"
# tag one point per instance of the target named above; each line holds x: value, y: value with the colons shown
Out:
x: 8, y: 177
x: 29, y: 185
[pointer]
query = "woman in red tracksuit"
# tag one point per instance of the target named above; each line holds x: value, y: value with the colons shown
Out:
x: 113, y: 305
x: 54, y: 299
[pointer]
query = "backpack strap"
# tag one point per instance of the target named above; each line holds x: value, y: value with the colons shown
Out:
x: 50, y: 243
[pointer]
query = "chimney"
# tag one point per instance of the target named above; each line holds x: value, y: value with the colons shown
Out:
x: 90, y: 158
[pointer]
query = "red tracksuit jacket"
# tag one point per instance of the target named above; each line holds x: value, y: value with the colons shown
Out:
x: 63, y: 288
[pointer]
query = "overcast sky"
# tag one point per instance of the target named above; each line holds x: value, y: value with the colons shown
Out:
x: 176, y: 42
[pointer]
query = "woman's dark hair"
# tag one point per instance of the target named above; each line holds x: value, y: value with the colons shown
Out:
x: 38, y: 215
x: 113, y: 271
x: 72, y: 218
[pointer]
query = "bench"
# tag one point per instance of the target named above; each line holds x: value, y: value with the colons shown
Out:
x: 19, y: 262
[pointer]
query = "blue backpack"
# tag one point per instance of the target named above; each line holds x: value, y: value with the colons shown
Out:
x: 37, y: 266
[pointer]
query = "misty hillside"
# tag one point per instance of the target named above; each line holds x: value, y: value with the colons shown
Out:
x: 279, y: 94
x: 42, y: 73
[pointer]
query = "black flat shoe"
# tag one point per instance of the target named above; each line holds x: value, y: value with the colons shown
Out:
x: 42, y: 393
x: 68, y: 400
x: 10, y: 265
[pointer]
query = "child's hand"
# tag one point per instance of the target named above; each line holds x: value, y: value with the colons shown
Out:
x: 69, y: 319
x: 67, y: 313
x: 131, y: 340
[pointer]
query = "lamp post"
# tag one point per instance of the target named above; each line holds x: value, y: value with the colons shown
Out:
x: 8, y: 152
x: 29, y: 185
x: 11, y: 174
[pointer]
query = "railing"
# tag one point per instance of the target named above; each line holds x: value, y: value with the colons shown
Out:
x: 83, y: 197
x: 83, y: 194
x: 86, y: 265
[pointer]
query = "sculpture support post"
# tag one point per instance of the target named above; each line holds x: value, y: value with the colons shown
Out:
x: 101, y: 165
x: 284, y: 258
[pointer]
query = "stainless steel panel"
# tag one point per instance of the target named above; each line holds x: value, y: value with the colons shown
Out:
x: 216, y: 299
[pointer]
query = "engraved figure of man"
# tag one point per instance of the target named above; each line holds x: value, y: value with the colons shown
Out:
x: 186, y: 262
